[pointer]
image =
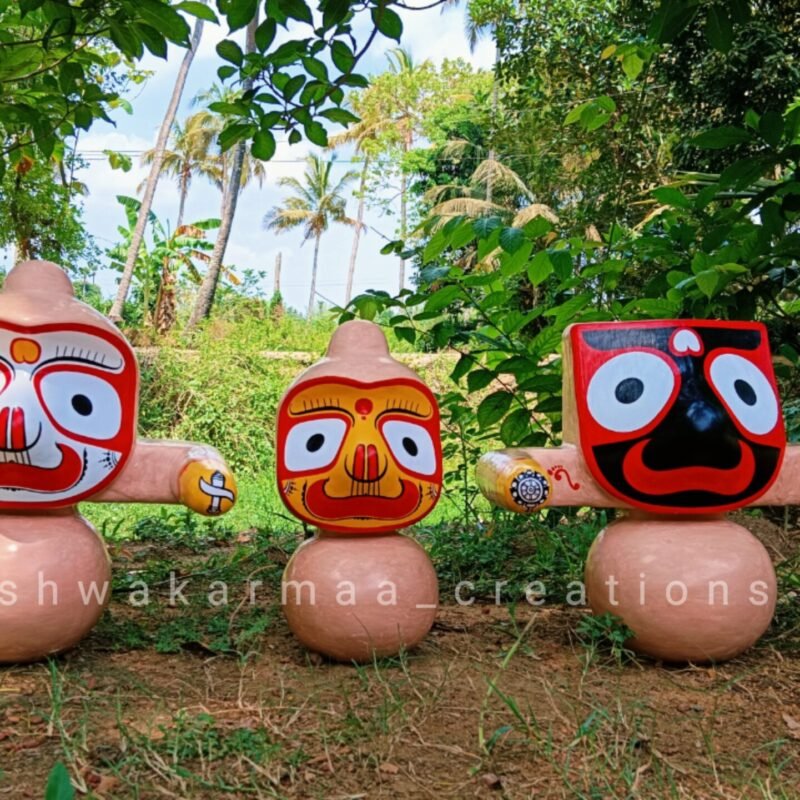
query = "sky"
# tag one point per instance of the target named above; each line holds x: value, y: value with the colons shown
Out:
x: 427, y: 34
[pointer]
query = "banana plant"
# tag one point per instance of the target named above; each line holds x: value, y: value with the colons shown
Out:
x: 164, y: 257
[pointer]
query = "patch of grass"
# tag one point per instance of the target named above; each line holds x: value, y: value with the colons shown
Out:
x: 605, y: 635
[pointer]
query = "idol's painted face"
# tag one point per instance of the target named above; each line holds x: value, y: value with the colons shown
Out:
x: 359, y: 457
x: 679, y: 416
x: 67, y: 413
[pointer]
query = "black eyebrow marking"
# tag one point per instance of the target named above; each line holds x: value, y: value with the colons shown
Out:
x: 317, y: 408
x: 400, y: 410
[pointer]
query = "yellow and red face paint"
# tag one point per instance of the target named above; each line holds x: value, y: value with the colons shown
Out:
x: 359, y: 457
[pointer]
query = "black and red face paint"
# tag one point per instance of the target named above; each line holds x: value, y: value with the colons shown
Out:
x: 678, y: 416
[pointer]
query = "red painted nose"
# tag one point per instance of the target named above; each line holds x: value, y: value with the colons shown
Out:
x: 12, y: 429
x: 365, y: 463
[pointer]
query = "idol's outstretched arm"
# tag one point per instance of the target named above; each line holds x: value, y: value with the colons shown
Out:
x: 193, y: 475
x: 527, y: 479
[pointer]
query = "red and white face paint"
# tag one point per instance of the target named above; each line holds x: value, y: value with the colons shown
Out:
x: 68, y: 407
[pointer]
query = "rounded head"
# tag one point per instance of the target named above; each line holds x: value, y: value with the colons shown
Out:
x: 353, y: 601
x: 695, y: 590
x: 68, y: 392
x: 359, y: 446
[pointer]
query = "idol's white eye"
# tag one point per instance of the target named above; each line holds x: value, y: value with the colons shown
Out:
x: 628, y: 392
x: 83, y: 404
x: 411, y: 445
x: 313, y: 444
x: 746, y: 391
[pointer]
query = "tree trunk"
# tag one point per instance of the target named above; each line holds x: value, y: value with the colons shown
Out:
x: 313, y: 293
x: 403, y: 225
x: 184, y: 191
x: 276, y: 282
x: 155, y: 171
x: 495, y: 103
x: 208, y: 289
x: 351, y: 271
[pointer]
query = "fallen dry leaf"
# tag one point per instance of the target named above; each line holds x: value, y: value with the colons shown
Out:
x: 389, y: 769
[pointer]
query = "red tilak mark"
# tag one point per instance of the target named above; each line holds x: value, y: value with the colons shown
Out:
x: 363, y: 406
x: 559, y: 472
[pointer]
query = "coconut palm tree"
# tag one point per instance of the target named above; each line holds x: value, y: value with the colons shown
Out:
x: 315, y: 204
x: 189, y: 154
x: 361, y: 135
x: 237, y: 170
x: 115, y: 313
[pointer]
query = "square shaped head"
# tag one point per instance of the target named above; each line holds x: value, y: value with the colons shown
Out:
x: 359, y: 447
x: 676, y: 416
x: 68, y: 393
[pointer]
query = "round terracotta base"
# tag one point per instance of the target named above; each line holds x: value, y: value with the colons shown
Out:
x: 48, y: 565
x: 353, y: 598
x: 695, y: 590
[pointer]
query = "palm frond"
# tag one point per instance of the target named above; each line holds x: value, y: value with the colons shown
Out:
x: 534, y: 210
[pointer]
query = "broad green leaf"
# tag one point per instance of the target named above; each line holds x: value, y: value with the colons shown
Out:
x: 493, y: 408
x: 342, y: 56
x: 197, y: 9
x: 670, y: 196
x: 316, y: 134
x: 59, y: 786
x: 722, y: 137
x: 240, y: 13
x: 165, y: 19
x: 540, y: 268
x: 230, y: 51
x: 632, y: 65
x: 296, y: 9
x: 511, y: 239
x: 442, y: 297
x: 406, y: 334
x: 265, y: 34
x: 516, y: 426
x: 263, y: 145
x: 479, y: 379
x: 516, y: 262
x: 770, y: 126
x: 388, y: 22
x: 719, y: 28
x: 707, y: 282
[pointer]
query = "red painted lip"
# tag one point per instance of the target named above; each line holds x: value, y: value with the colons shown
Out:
x: 728, y: 482
x: 323, y: 506
x: 39, y: 479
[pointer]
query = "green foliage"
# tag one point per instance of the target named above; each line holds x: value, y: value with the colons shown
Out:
x: 61, y: 67
x: 59, y: 786
x: 41, y: 213
x: 605, y: 633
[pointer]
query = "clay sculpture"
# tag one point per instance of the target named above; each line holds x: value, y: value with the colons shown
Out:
x: 68, y: 413
x: 676, y: 423
x: 359, y: 457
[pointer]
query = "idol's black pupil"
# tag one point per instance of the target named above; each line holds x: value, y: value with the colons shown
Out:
x: 410, y: 446
x: 82, y: 404
x: 629, y: 390
x: 747, y: 394
x: 315, y: 442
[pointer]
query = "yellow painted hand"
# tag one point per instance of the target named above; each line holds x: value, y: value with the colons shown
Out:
x: 208, y: 487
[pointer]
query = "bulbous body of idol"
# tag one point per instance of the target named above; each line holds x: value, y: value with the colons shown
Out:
x: 676, y: 422
x: 68, y: 411
x: 359, y: 457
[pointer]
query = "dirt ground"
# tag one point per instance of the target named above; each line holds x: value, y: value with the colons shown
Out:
x: 449, y: 720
